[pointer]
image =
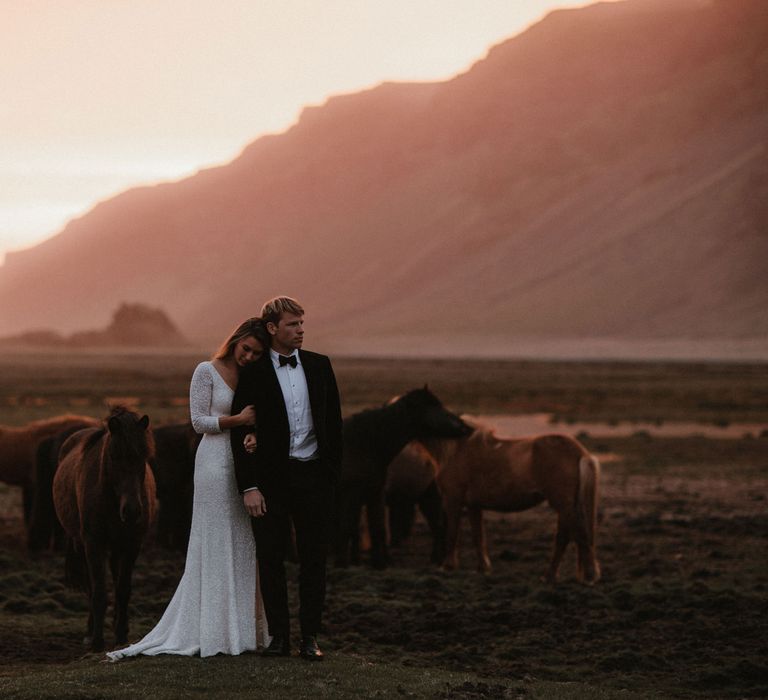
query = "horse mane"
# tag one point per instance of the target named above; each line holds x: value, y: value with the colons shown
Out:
x: 117, y: 410
x: 142, y: 448
x: 94, y: 438
x: 482, y: 431
x: 366, y: 426
x: 393, y: 406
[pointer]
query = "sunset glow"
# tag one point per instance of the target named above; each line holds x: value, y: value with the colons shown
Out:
x: 102, y: 96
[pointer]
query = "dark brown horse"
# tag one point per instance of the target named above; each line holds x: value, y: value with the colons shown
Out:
x: 104, y: 494
x: 372, y: 438
x: 43, y: 529
x: 19, y: 444
x: 485, y: 472
x: 173, y: 466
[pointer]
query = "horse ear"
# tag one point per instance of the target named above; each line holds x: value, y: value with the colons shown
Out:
x: 113, y: 424
x: 144, y: 422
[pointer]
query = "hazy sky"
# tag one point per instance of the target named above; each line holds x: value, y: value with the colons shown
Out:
x: 99, y: 95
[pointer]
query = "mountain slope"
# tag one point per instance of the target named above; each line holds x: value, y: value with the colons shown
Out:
x: 602, y: 174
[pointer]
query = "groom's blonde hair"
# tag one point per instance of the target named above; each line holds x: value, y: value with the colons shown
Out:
x: 273, y: 310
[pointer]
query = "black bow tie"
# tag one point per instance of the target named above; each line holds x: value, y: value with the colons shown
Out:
x: 289, y: 360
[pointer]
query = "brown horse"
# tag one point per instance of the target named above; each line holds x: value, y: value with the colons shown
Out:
x: 18, y: 446
x: 484, y: 472
x: 104, y: 494
x: 173, y: 467
x: 411, y: 482
x: 43, y: 529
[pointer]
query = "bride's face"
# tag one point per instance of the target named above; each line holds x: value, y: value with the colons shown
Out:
x: 247, y: 350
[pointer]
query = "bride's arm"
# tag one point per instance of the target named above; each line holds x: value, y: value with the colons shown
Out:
x: 245, y: 417
x: 200, y: 395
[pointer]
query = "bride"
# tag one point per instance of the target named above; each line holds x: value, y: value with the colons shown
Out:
x: 217, y: 606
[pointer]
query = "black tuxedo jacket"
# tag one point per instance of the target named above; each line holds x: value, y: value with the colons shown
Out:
x: 267, y: 468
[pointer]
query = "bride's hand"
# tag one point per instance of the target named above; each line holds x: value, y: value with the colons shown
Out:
x: 248, y: 415
x: 250, y: 442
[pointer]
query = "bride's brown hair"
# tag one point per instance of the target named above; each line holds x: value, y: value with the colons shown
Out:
x: 252, y: 326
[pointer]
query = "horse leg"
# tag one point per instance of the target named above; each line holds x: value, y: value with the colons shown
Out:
x: 59, y: 537
x: 377, y: 530
x: 354, y: 527
x: 339, y: 558
x: 28, y: 498
x: 40, y: 526
x: 354, y: 514
x: 401, y: 516
x: 77, y: 574
x: 347, y: 519
x: 478, y: 538
x: 165, y: 521
x: 452, y: 520
x: 431, y: 507
x: 95, y: 561
x: 115, y: 565
x: 562, y: 538
x: 122, y: 571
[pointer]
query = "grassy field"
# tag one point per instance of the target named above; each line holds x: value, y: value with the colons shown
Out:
x: 41, y: 385
x: 681, y: 610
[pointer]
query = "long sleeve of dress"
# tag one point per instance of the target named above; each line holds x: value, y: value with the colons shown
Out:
x: 200, y: 395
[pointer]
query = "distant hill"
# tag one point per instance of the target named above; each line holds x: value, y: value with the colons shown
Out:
x: 603, y: 175
x: 132, y: 325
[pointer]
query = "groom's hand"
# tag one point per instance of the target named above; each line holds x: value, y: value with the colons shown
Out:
x: 255, y: 503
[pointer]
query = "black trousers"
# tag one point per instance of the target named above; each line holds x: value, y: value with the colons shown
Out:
x: 307, y: 502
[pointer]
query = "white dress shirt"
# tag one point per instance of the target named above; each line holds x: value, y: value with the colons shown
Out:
x: 293, y: 383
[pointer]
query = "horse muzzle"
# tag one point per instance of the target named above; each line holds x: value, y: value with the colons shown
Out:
x: 130, y: 510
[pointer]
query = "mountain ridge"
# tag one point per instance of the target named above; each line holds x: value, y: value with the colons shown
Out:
x: 600, y: 175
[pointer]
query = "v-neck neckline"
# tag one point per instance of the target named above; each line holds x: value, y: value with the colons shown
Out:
x: 232, y: 389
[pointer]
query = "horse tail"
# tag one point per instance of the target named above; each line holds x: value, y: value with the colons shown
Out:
x: 587, y: 498
x: 75, y: 569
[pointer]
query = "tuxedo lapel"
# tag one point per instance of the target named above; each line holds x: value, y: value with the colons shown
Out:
x: 311, y: 375
x: 313, y: 384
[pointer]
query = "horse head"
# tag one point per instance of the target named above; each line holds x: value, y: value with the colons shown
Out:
x: 430, y: 418
x: 128, y: 448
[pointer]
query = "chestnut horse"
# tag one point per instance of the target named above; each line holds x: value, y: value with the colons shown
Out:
x: 104, y: 494
x: 18, y: 446
x: 484, y: 472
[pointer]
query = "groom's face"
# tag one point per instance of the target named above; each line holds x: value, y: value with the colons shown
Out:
x: 287, y: 334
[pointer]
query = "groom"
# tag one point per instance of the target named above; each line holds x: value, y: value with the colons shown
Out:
x: 289, y: 477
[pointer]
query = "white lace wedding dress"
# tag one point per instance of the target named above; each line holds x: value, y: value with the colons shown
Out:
x: 217, y: 606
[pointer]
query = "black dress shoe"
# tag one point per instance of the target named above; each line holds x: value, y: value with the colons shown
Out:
x: 309, y: 650
x: 279, y: 646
